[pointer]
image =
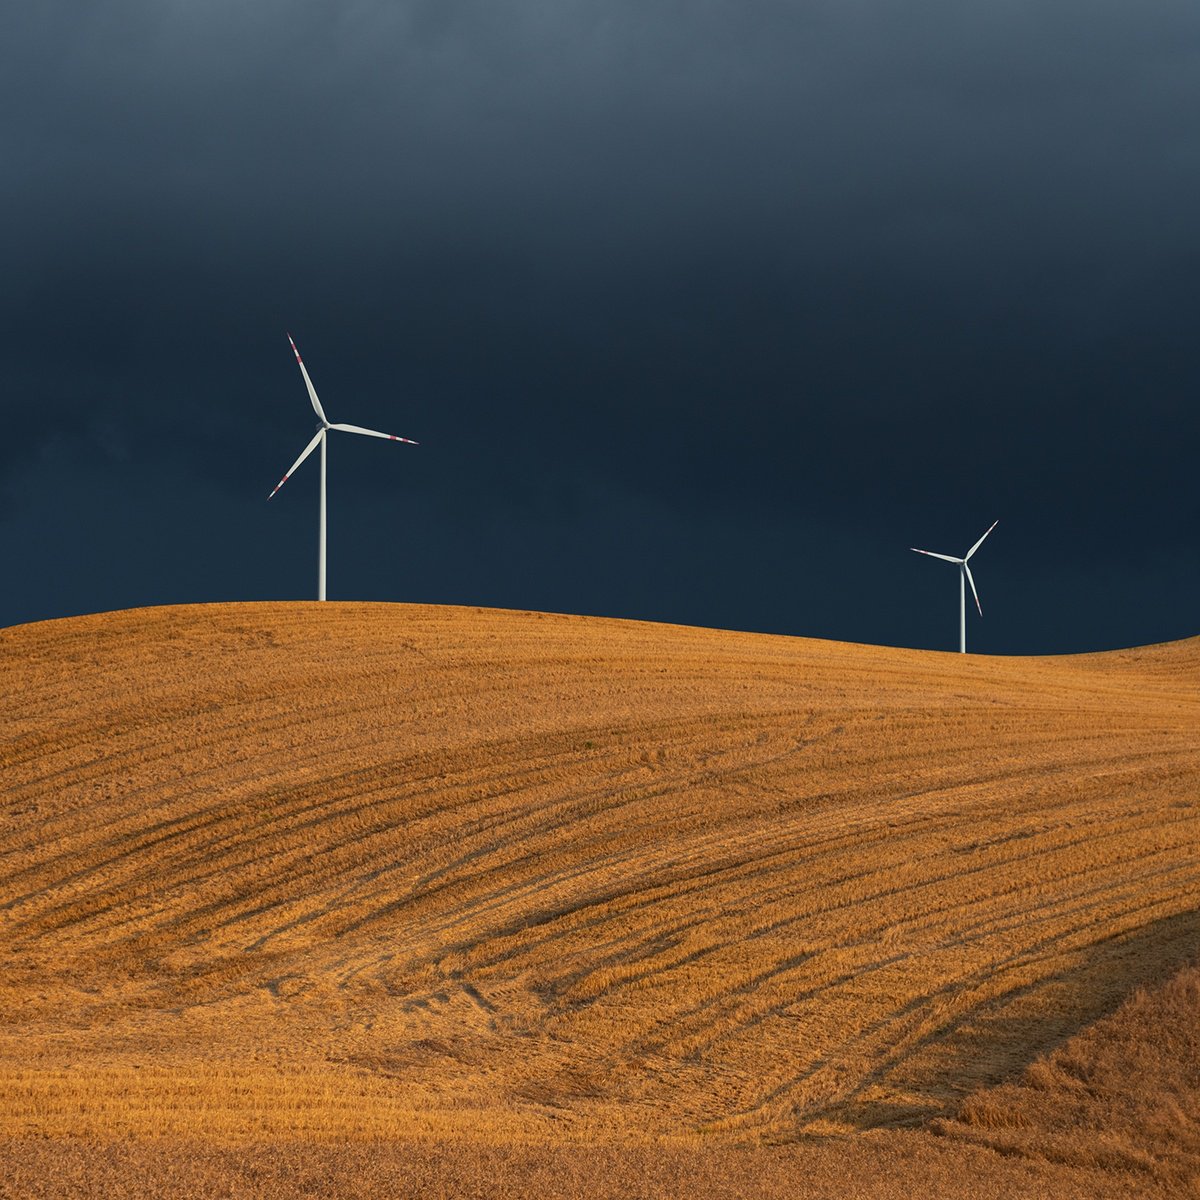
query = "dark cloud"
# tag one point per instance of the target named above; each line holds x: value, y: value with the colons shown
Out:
x: 701, y: 312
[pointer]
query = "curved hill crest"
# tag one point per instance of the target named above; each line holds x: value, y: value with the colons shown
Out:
x: 367, y: 871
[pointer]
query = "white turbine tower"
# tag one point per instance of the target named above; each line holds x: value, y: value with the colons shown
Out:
x: 964, y: 577
x: 319, y: 439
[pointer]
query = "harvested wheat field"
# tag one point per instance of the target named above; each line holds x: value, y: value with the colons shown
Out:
x: 300, y: 899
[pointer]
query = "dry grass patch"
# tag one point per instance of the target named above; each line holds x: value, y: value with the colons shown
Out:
x: 1123, y: 1094
x: 370, y: 872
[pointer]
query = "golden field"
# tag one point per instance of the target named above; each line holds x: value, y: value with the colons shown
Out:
x: 300, y: 883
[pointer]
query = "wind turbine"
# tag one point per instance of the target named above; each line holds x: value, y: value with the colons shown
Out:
x: 320, y: 438
x: 964, y: 577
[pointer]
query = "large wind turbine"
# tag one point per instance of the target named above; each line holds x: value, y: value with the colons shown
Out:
x: 319, y: 439
x: 964, y: 577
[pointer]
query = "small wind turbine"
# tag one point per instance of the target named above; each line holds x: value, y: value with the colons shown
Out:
x: 964, y: 577
x: 320, y: 438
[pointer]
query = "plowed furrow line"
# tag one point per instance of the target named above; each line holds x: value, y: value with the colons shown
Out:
x: 1107, y: 912
x: 686, y: 1034
x: 897, y: 923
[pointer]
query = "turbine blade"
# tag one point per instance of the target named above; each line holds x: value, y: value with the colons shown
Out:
x: 307, y: 451
x: 944, y: 557
x: 971, y: 581
x: 312, y: 391
x: 391, y: 437
x: 980, y: 542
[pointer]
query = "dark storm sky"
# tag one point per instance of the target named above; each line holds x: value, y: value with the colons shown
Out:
x: 702, y: 312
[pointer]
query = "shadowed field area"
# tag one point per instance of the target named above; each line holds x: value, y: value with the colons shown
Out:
x: 283, y: 874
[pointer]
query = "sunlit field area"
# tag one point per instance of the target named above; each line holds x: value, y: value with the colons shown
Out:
x: 417, y: 897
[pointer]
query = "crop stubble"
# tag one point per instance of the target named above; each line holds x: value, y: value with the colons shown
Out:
x: 360, y: 872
